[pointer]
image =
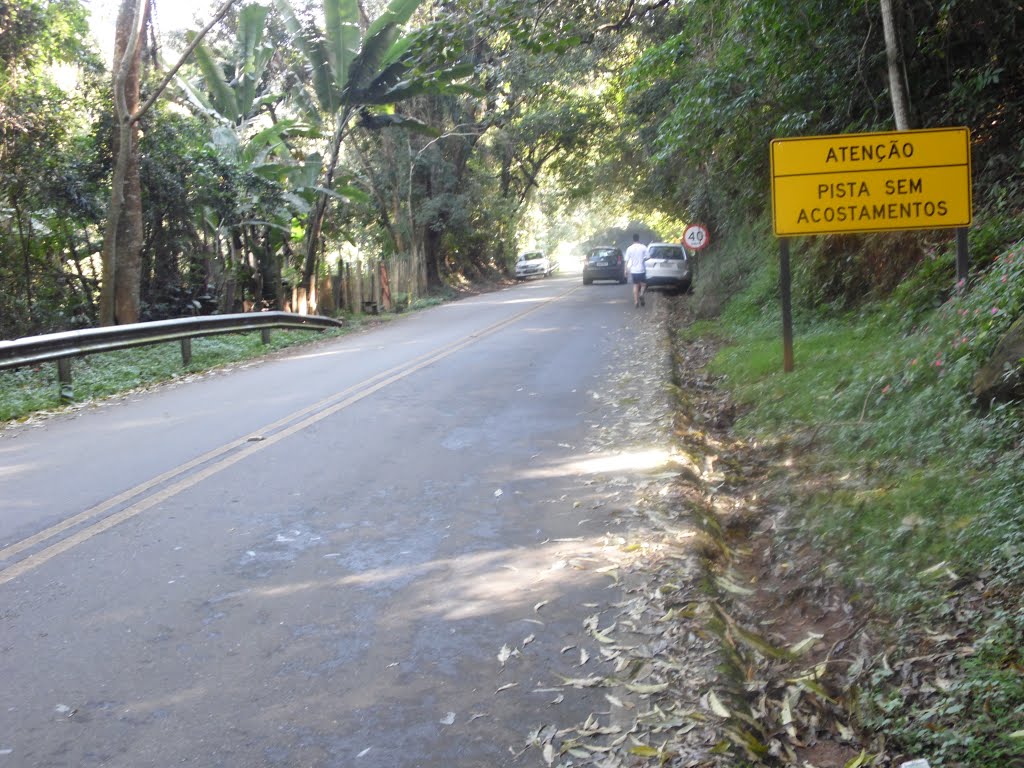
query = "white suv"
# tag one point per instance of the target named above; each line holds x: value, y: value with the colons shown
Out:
x: 533, y: 264
x: 668, y: 266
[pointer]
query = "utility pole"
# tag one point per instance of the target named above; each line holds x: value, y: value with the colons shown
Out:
x: 894, y: 56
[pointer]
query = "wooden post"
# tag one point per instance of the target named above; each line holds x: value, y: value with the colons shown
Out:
x: 385, y: 286
x: 186, y: 351
x: 372, y: 290
x: 346, y: 287
x: 357, y: 303
x: 265, y: 335
x: 338, y: 287
x: 378, y: 289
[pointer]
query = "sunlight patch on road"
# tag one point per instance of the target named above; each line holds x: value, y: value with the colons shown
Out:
x: 549, y: 329
x: 329, y: 353
x: 509, y: 302
x: 470, y: 585
x: 187, y: 697
x: 641, y: 460
x: 13, y: 469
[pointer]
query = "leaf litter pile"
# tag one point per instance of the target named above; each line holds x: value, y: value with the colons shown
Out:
x: 729, y: 647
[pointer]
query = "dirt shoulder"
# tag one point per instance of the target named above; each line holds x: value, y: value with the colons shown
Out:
x: 786, y: 631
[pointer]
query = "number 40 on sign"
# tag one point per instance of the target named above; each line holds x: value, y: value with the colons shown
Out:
x: 695, y: 237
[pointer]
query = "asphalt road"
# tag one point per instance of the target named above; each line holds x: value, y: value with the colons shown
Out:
x: 317, y: 560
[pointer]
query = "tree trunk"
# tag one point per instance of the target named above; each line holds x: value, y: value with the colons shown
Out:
x: 87, y: 285
x: 432, y: 258
x: 894, y: 56
x: 284, y: 257
x: 26, y: 250
x: 387, y: 213
x: 315, y: 222
x: 166, y: 275
x: 122, y: 241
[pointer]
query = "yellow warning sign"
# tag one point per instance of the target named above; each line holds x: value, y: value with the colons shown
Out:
x: 870, y: 182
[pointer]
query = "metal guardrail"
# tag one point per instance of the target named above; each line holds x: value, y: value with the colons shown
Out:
x: 62, y: 347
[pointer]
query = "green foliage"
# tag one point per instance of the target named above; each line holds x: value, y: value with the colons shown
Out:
x: 424, y: 303
x: 352, y: 69
x: 705, y: 100
x: 918, y: 491
x: 899, y: 401
x: 977, y: 722
x: 233, y: 85
x: 671, y: 105
x: 49, y: 190
x: 739, y: 274
x: 965, y: 61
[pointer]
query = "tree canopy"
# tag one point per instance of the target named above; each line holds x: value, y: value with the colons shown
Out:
x: 298, y: 137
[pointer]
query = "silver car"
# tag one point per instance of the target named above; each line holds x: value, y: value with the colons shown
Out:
x: 668, y: 266
x: 533, y: 264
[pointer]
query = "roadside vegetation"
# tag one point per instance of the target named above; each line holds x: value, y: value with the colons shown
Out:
x: 903, y: 493
x: 440, y: 139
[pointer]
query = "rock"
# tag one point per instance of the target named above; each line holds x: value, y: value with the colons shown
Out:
x: 1002, y: 377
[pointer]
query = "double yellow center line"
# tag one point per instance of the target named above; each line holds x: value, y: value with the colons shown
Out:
x: 161, y: 488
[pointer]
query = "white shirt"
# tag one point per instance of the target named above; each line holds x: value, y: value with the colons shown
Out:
x: 636, y: 255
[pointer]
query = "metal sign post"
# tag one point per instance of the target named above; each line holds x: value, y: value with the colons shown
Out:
x: 963, y: 258
x: 785, y: 284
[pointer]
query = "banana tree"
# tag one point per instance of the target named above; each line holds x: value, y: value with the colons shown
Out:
x: 353, y: 72
x: 238, y: 100
x: 233, y: 94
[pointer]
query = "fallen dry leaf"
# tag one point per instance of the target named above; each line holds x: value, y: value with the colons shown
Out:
x: 504, y: 654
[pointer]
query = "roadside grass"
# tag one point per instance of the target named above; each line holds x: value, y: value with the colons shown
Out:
x: 939, y: 476
x: 923, y: 497
x: 27, y: 390
x: 33, y: 389
x: 977, y: 723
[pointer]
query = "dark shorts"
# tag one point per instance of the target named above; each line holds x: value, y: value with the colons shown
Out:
x: 638, y: 277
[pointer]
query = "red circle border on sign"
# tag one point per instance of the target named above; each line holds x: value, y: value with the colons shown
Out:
x: 703, y: 245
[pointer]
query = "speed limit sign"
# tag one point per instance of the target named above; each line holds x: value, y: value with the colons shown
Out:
x: 695, y: 237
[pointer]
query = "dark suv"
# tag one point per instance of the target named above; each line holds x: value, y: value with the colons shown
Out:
x: 604, y: 263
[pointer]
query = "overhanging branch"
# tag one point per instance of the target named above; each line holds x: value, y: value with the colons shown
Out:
x: 631, y: 15
x: 220, y: 14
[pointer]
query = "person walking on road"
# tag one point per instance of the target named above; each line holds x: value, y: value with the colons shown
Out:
x: 636, y: 258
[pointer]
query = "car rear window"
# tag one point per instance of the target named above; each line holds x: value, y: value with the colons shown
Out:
x: 602, y: 257
x: 667, y: 252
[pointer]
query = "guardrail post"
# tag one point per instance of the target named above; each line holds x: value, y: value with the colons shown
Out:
x: 186, y: 351
x: 265, y: 335
x: 64, y: 378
